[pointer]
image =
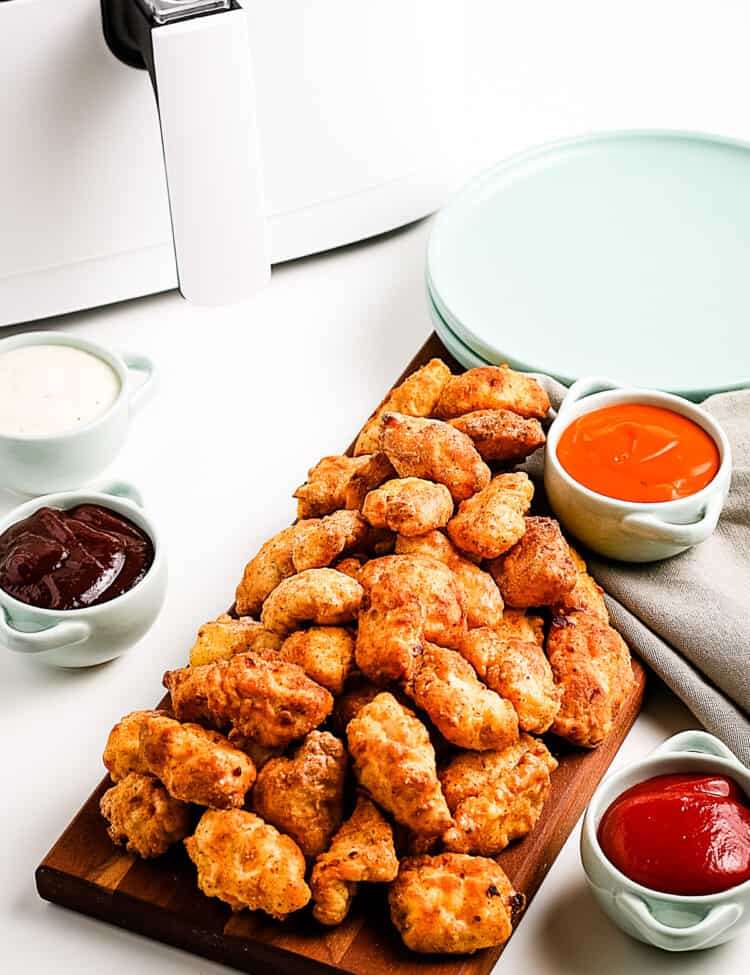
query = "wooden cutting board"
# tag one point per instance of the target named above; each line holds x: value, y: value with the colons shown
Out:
x: 159, y: 898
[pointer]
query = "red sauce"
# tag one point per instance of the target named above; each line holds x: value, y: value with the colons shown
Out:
x: 87, y: 555
x: 680, y: 834
x: 635, y: 452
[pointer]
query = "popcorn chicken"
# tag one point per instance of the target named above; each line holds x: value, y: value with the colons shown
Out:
x: 350, y: 566
x: 359, y: 692
x: 453, y: 903
x: 122, y: 753
x: 496, y: 797
x: 340, y: 482
x: 492, y: 521
x: 221, y: 638
x: 318, y: 541
x: 265, y: 570
x: 247, y: 863
x: 538, y: 570
x: 409, y: 505
x: 492, y: 388
x: 586, y: 596
x: 395, y: 762
x: 143, y: 817
x: 434, y: 451
x: 325, y: 653
x: 517, y: 624
x: 362, y: 851
x: 321, y: 596
x: 501, y: 435
x: 416, y: 396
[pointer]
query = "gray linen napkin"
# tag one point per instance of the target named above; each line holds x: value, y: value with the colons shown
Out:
x: 688, y: 617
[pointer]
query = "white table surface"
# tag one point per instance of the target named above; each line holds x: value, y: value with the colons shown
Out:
x: 249, y: 397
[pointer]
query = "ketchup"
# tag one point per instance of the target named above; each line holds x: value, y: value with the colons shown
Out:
x: 680, y: 834
x: 59, y: 559
x: 635, y: 452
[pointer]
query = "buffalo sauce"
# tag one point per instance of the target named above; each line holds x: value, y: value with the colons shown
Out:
x: 680, y: 834
x: 636, y: 452
x: 86, y: 555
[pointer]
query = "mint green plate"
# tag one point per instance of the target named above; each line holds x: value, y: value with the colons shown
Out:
x: 625, y: 255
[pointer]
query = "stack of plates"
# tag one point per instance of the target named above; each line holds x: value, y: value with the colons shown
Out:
x: 623, y: 255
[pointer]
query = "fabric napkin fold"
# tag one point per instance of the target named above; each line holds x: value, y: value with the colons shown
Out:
x: 688, y: 617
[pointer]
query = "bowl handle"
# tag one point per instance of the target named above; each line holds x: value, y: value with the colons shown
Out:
x: 140, y: 363
x: 654, y: 529
x: 63, y: 634
x: 585, y: 387
x: 697, y: 935
x: 695, y: 741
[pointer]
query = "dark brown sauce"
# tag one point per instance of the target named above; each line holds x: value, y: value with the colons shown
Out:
x: 84, y: 556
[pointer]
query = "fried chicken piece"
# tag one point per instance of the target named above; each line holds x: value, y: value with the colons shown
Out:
x: 340, y: 482
x: 221, y: 638
x: 416, y: 396
x: 361, y: 851
x: 360, y: 692
x: 194, y: 764
x: 592, y: 666
x: 408, y: 599
x: 538, y: 570
x: 122, y: 753
x: 143, y: 817
x: 586, y: 596
x: 318, y: 541
x: 395, y: 762
x: 453, y: 904
x: 517, y: 624
x: 492, y: 521
x: 409, y: 505
x: 247, y: 863
x: 325, y: 653
x: 501, y: 435
x: 482, y: 600
x: 303, y: 796
x: 519, y: 672
x: 321, y: 596
x: 258, y: 754
x: 265, y: 570
x: 492, y: 388
x: 434, y: 451
x: 350, y: 566
x: 496, y: 797
x: 464, y: 711
x: 265, y: 698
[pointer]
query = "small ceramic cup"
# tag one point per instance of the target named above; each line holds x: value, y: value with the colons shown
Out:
x: 673, y: 922
x: 39, y: 464
x: 95, y: 634
x: 627, y: 530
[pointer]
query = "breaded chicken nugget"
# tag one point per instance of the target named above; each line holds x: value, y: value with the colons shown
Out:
x: 318, y: 541
x: 482, y: 600
x: 265, y: 570
x: 586, y: 596
x: 464, y: 711
x: 196, y: 765
x: 303, y: 796
x: 538, y: 570
x: 340, y: 482
x: 322, y: 596
x: 416, y: 396
x: 453, y: 904
x: 496, y: 797
x: 143, y: 817
x: 247, y: 863
x: 395, y: 762
x: 258, y: 754
x: 517, y: 624
x: 359, y: 692
x: 592, y: 666
x: 519, y: 672
x: 221, y: 638
x: 325, y: 653
x: 362, y: 851
x: 408, y: 599
x: 122, y: 753
x: 492, y: 388
x: 409, y: 505
x: 350, y: 566
x: 492, y: 521
x: 435, y: 451
x: 501, y: 435
x: 263, y: 697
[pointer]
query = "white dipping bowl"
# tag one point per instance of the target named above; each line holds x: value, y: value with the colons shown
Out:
x: 633, y: 531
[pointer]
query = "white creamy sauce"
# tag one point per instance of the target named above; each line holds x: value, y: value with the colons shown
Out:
x: 52, y: 389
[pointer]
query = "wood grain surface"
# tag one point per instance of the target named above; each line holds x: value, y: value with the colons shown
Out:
x: 84, y: 871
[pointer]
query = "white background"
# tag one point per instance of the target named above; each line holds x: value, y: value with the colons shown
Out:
x: 251, y: 396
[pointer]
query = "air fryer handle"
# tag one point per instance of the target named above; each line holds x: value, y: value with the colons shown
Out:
x: 198, y: 55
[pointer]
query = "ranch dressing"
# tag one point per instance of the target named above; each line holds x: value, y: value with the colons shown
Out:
x: 52, y: 389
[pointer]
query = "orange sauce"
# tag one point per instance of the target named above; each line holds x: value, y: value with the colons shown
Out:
x: 635, y: 452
